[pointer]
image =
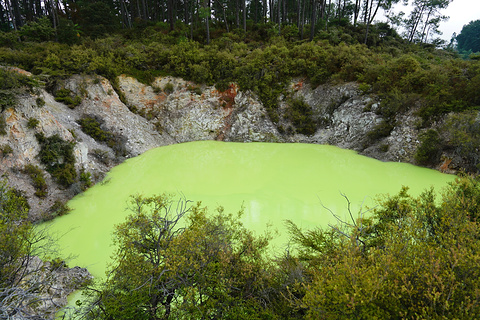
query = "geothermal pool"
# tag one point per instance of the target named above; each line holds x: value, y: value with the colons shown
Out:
x: 273, y: 182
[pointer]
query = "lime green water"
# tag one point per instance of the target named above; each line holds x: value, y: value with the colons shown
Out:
x: 273, y: 182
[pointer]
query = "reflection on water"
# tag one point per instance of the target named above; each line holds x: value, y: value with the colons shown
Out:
x: 273, y: 182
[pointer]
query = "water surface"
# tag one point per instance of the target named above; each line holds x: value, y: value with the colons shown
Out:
x: 273, y: 182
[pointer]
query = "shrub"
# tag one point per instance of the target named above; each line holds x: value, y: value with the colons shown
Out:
x: 381, y: 130
x: 3, y: 125
x: 91, y: 126
x: 38, y: 31
x: 57, y: 155
x: 301, y: 116
x: 65, y: 175
x: 6, y: 150
x: 40, y: 102
x: 462, y: 132
x: 58, y: 209
x: 32, y: 123
x: 195, y: 89
x: 66, y: 96
x: 412, y: 258
x: 7, y: 99
x: 38, y: 179
x: 429, y: 149
x: 168, y: 88
x: 85, y: 179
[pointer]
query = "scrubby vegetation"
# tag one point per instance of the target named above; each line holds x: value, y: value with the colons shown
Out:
x: 92, y: 127
x: 5, y: 150
x: 409, y: 258
x: 66, y: 96
x: 32, y: 123
x: 38, y: 180
x: 57, y: 156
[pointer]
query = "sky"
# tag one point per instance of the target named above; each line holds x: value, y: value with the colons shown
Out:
x: 461, y: 12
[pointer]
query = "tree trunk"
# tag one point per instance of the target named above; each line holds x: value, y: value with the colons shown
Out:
x: 367, y: 5
x: 264, y: 12
x: 237, y: 13
x: 327, y: 16
x: 244, y: 15
x: 170, y: 14
x: 15, y: 11
x: 207, y: 20
x: 312, y: 20
x: 225, y: 18
x: 303, y: 19
x: 425, y: 25
x: 270, y: 2
x: 356, y: 11
x: 279, y: 6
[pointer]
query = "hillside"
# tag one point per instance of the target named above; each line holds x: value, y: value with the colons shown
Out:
x: 113, y: 98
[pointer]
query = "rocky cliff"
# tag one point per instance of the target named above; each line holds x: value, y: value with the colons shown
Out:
x: 139, y: 117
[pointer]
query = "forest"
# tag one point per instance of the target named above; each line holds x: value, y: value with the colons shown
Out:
x: 409, y: 258
x: 307, y: 16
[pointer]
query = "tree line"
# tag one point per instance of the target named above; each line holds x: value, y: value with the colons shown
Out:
x: 305, y: 16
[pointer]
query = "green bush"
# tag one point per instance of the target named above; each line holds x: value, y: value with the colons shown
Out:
x: 429, y: 149
x: 40, y: 102
x: 3, y: 125
x: 301, y: 116
x: 66, y: 96
x: 462, y: 132
x: 380, y: 130
x: 65, y: 175
x: 38, y: 31
x: 6, y: 150
x: 12, y: 79
x: 91, y: 126
x: 58, y: 157
x: 412, y: 258
x: 58, y: 209
x: 168, y: 88
x: 85, y: 179
x: 38, y: 179
x: 32, y: 123
x: 7, y: 99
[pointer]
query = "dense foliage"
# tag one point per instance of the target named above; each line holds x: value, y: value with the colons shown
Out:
x: 57, y: 156
x: 201, y: 20
x: 408, y: 258
x: 175, y: 261
x: 413, y: 258
x: 469, y: 38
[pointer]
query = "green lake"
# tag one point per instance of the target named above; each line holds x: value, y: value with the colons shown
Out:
x: 273, y: 182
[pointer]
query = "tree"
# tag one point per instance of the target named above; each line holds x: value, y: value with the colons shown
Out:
x: 469, y: 38
x: 413, y: 258
x: 166, y: 267
x: 425, y: 19
x: 371, y: 10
